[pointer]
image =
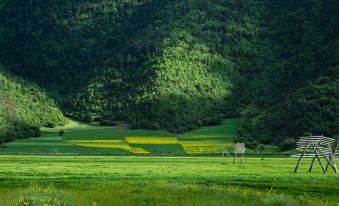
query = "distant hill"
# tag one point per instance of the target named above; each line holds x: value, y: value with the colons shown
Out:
x: 24, y: 108
x: 179, y: 65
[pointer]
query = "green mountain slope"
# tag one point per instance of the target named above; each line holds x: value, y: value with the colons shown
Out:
x: 304, y: 76
x: 23, y: 108
x: 184, y: 71
x: 179, y: 65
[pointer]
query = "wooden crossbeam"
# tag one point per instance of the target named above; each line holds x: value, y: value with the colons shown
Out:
x: 332, y: 158
x: 312, y: 163
x: 319, y: 160
x: 301, y: 156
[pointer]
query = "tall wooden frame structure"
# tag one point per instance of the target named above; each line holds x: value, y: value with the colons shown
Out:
x: 225, y: 153
x: 317, y: 147
x: 239, y: 149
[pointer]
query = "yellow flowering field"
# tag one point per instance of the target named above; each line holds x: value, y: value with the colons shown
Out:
x: 205, y: 143
x: 115, y: 144
x: 190, y: 147
x: 201, y: 136
x: 151, y: 140
x: 204, y: 146
x: 96, y: 141
x: 204, y: 150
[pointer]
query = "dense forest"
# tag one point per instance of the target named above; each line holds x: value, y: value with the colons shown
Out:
x: 24, y: 108
x: 179, y: 65
x: 304, y: 75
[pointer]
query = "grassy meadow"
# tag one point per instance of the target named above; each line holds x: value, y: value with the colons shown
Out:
x: 140, y: 180
x: 92, y: 165
x: 81, y: 139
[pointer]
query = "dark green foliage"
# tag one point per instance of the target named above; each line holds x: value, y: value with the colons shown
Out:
x: 156, y: 63
x: 299, y: 84
x: 60, y: 44
x: 61, y: 133
x: 18, y: 131
x: 180, y: 65
x: 107, y: 123
x: 313, y: 109
x: 24, y: 108
x: 261, y: 149
x: 247, y: 132
x: 287, y: 144
x: 177, y: 72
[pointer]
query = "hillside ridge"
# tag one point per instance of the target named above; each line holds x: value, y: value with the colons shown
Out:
x: 180, y: 65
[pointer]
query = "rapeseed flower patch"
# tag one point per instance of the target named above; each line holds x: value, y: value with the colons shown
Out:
x: 114, y: 144
x: 96, y: 141
x: 151, y: 140
x: 204, y: 146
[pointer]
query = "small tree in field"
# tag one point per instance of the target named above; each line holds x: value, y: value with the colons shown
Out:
x: 61, y: 133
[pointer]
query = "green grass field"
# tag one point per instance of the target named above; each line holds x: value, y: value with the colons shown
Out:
x: 31, y: 171
x: 138, y: 180
x: 81, y: 139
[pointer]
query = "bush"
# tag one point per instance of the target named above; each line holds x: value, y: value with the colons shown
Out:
x: 34, y: 131
x: 50, y: 125
x: 61, y: 133
x: 4, y: 137
x: 107, y: 123
x: 25, y: 131
x: 251, y: 144
x: 261, y: 149
x: 18, y: 131
x: 287, y: 144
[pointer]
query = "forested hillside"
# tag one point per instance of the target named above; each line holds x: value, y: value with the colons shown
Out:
x: 178, y: 70
x: 304, y: 75
x: 24, y: 108
x: 179, y: 65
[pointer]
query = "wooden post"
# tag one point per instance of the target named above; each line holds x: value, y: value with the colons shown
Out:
x: 225, y: 152
x: 242, y: 156
x: 319, y: 160
x: 312, y: 163
x: 332, y: 158
x: 235, y: 155
x: 301, y: 156
x: 311, y: 167
x: 328, y: 161
x: 335, y: 165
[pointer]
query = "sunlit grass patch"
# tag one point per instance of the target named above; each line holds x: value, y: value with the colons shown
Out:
x: 96, y: 141
x: 151, y: 140
x: 205, y: 146
x: 162, y: 149
x: 208, y: 135
x: 206, y: 143
x: 199, y: 137
x: 204, y: 150
x: 93, y: 133
x: 103, y: 140
x: 146, y: 133
x: 151, y: 176
x: 227, y: 127
x: 118, y: 145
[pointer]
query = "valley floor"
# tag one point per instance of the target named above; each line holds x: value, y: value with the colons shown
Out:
x: 142, y: 180
x: 82, y: 139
